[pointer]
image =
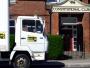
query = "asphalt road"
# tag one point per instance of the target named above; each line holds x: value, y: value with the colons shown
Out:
x: 37, y: 65
x: 41, y: 65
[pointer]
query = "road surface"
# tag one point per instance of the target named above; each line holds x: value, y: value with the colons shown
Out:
x: 41, y: 65
x: 37, y: 65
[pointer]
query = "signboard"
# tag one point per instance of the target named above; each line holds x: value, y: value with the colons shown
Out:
x: 71, y: 9
x: 71, y: 6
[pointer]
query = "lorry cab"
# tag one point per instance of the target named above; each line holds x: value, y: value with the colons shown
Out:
x: 29, y: 32
x: 30, y: 38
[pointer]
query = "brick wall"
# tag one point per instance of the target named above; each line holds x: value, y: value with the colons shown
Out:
x: 86, y: 30
x: 55, y: 24
x: 28, y: 8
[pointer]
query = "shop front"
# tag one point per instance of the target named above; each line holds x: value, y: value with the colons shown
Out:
x: 71, y: 19
x: 71, y: 28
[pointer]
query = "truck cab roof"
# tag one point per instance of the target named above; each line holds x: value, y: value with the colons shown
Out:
x: 30, y: 17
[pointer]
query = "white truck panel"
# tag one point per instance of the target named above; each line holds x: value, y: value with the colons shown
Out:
x: 17, y: 31
x: 35, y: 43
x: 20, y: 48
x: 34, y: 55
x: 4, y: 25
x: 38, y: 46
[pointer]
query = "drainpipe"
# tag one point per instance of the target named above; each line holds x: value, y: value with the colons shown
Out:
x: 50, y: 13
x: 89, y: 28
x: 83, y: 43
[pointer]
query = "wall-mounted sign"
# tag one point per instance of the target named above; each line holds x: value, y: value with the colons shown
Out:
x: 71, y: 9
x: 71, y: 6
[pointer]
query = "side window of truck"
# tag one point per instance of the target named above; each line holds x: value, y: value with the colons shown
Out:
x: 12, y: 26
x: 39, y: 26
x: 28, y: 25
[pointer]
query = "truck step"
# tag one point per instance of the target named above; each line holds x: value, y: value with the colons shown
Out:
x: 4, y: 59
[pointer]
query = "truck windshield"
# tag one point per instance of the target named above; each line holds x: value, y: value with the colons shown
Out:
x: 32, y: 26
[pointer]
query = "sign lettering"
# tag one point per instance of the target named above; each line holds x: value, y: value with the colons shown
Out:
x: 71, y: 9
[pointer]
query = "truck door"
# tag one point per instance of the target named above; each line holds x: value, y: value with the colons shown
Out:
x: 32, y: 35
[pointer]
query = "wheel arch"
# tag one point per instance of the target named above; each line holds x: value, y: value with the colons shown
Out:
x: 21, y: 52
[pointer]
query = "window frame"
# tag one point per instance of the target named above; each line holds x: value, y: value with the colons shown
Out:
x: 34, y: 27
x: 55, y: 1
x: 12, y: 26
x: 12, y: 1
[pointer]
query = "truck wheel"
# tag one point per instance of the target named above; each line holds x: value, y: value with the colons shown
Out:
x: 46, y: 56
x: 21, y: 61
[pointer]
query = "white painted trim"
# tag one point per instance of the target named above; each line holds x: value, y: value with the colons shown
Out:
x: 71, y: 23
x: 12, y: 1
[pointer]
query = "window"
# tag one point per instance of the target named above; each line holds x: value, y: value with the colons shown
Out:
x: 32, y: 26
x: 88, y: 1
x: 68, y: 19
x: 39, y: 26
x: 12, y: 1
x: 51, y: 0
x: 61, y: 1
x: 56, y: 0
x: 24, y: 0
x: 12, y: 26
x: 28, y: 25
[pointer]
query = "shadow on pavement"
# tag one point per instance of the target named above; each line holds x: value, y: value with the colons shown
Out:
x: 65, y: 57
x: 48, y: 65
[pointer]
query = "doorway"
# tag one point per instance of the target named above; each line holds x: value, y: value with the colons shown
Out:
x: 67, y: 39
x: 70, y: 37
x: 72, y: 32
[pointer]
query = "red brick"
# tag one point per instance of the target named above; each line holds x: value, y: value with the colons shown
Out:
x: 86, y: 31
x: 55, y: 23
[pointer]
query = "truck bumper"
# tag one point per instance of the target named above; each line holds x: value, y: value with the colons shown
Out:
x: 12, y: 54
x: 38, y: 56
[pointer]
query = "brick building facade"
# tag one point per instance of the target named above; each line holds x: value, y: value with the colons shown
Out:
x: 53, y: 20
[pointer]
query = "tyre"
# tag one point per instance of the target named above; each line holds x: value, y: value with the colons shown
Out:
x: 46, y: 56
x: 21, y: 61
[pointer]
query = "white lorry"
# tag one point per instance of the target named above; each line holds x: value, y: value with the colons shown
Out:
x: 30, y: 41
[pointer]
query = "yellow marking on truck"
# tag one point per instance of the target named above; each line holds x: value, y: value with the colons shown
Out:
x: 31, y: 38
x: 2, y: 35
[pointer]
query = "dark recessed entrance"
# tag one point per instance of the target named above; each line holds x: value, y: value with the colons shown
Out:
x: 71, y: 28
x: 67, y: 39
